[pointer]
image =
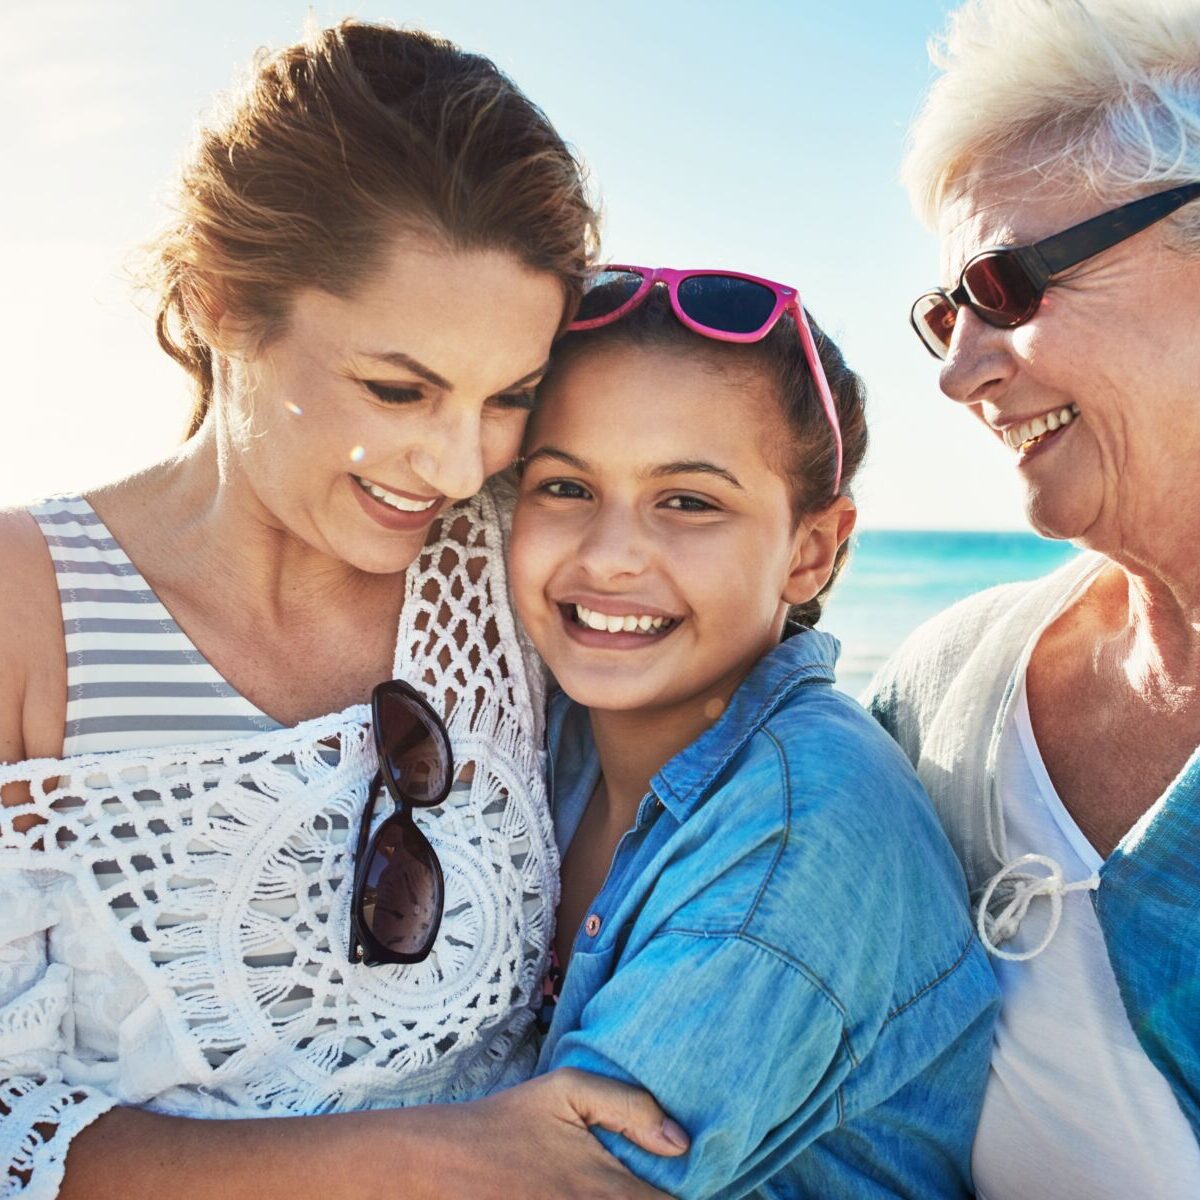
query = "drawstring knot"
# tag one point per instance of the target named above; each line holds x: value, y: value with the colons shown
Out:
x: 1025, y: 889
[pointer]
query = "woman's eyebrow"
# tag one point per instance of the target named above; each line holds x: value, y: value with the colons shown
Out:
x: 695, y: 467
x: 534, y: 376
x: 397, y: 358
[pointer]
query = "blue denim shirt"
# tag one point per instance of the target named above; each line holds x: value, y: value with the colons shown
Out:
x: 1148, y: 904
x: 781, y: 952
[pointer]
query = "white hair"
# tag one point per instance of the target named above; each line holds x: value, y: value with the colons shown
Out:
x: 1103, y: 94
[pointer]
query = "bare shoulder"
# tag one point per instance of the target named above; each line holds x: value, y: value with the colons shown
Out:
x: 32, y: 660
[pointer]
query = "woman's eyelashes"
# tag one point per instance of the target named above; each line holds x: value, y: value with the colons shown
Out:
x: 390, y: 394
x: 521, y: 401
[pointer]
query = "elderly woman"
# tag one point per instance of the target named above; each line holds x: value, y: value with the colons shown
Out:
x: 1056, y: 723
x: 374, y: 245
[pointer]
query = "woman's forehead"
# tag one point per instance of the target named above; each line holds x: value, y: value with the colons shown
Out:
x: 1007, y: 206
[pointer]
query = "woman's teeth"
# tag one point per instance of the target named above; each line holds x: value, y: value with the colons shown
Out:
x: 1021, y: 437
x: 403, y: 503
x: 630, y: 623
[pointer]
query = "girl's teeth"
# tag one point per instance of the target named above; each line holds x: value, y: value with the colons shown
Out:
x: 629, y: 623
x: 392, y: 500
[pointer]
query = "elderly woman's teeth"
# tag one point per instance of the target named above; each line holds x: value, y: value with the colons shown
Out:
x: 1021, y: 437
x: 629, y: 623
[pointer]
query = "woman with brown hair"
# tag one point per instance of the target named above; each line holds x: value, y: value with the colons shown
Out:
x: 375, y: 244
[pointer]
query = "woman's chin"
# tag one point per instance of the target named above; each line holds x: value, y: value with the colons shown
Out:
x: 376, y: 556
x: 1060, y: 513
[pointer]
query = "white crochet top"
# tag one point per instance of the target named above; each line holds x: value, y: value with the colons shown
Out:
x: 174, y: 926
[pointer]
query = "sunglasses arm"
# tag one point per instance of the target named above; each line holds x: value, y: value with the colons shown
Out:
x: 1081, y: 241
x: 817, y: 371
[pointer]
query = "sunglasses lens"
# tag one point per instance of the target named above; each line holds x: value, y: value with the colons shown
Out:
x: 726, y: 304
x: 999, y: 289
x: 414, y: 749
x: 608, y: 291
x: 401, y: 903
x: 933, y: 318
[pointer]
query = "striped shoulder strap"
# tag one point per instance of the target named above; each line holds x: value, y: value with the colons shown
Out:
x: 134, y: 678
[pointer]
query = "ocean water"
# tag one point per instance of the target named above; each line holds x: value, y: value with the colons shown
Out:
x: 897, y: 578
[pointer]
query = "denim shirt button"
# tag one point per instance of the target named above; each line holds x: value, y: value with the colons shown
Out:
x: 592, y: 925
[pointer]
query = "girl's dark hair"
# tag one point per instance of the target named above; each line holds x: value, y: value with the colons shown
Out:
x: 356, y: 134
x: 809, y: 451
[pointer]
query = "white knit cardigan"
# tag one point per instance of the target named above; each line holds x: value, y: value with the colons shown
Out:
x: 946, y: 696
x: 174, y: 926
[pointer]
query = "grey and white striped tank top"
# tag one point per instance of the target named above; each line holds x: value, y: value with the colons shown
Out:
x: 134, y: 678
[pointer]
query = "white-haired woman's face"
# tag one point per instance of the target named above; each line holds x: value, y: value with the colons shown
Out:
x: 1115, y: 343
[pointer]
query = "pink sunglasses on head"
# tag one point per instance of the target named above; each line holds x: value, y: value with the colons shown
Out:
x: 725, y: 305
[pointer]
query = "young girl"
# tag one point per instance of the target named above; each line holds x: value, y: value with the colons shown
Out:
x: 760, y: 921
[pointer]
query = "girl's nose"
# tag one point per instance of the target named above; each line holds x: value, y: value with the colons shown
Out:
x: 614, y: 544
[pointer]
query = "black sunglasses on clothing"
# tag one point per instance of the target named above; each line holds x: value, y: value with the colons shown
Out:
x: 1004, y: 286
x: 396, y: 903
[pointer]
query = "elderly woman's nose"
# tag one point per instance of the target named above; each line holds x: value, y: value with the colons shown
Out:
x: 977, y: 362
x: 449, y: 458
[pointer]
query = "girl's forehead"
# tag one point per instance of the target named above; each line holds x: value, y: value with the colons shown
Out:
x: 637, y: 408
x: 659, y: 382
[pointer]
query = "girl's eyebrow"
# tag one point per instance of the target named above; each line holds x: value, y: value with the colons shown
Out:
x: 684, y: 467
x: 558, y: 455
x: 696, y: 467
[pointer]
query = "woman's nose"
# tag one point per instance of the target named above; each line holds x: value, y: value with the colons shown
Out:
x: 978, y: 359
x: 449, y: 457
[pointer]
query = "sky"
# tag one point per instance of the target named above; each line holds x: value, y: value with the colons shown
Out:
x: 760, y: 135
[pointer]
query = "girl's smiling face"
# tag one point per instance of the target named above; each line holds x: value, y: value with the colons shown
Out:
x: 655, y: 548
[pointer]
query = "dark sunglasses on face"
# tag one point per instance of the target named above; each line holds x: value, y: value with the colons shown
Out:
x: 398, y: 893
x: 1004, y: 286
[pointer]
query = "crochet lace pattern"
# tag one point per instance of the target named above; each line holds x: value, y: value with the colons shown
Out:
x: 174, y: 922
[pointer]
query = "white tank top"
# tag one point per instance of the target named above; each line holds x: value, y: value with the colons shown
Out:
x: 174, y: 932
x: 1073, y: 1107
x: 134, y: 678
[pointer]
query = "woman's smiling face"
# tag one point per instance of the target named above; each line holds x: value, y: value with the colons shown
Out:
x: 654, y: 544
x: 357, y: 425
x: 1108, y: 365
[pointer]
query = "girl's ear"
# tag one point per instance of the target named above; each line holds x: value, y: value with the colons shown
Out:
x: 818, y: 538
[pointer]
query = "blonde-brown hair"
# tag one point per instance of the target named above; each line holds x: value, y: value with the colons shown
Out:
x: 334, y: 144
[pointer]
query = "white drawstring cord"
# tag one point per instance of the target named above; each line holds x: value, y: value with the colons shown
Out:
x: 1004, y: 925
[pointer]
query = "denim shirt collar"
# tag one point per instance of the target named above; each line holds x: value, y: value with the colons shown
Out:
x: 807, y: 656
